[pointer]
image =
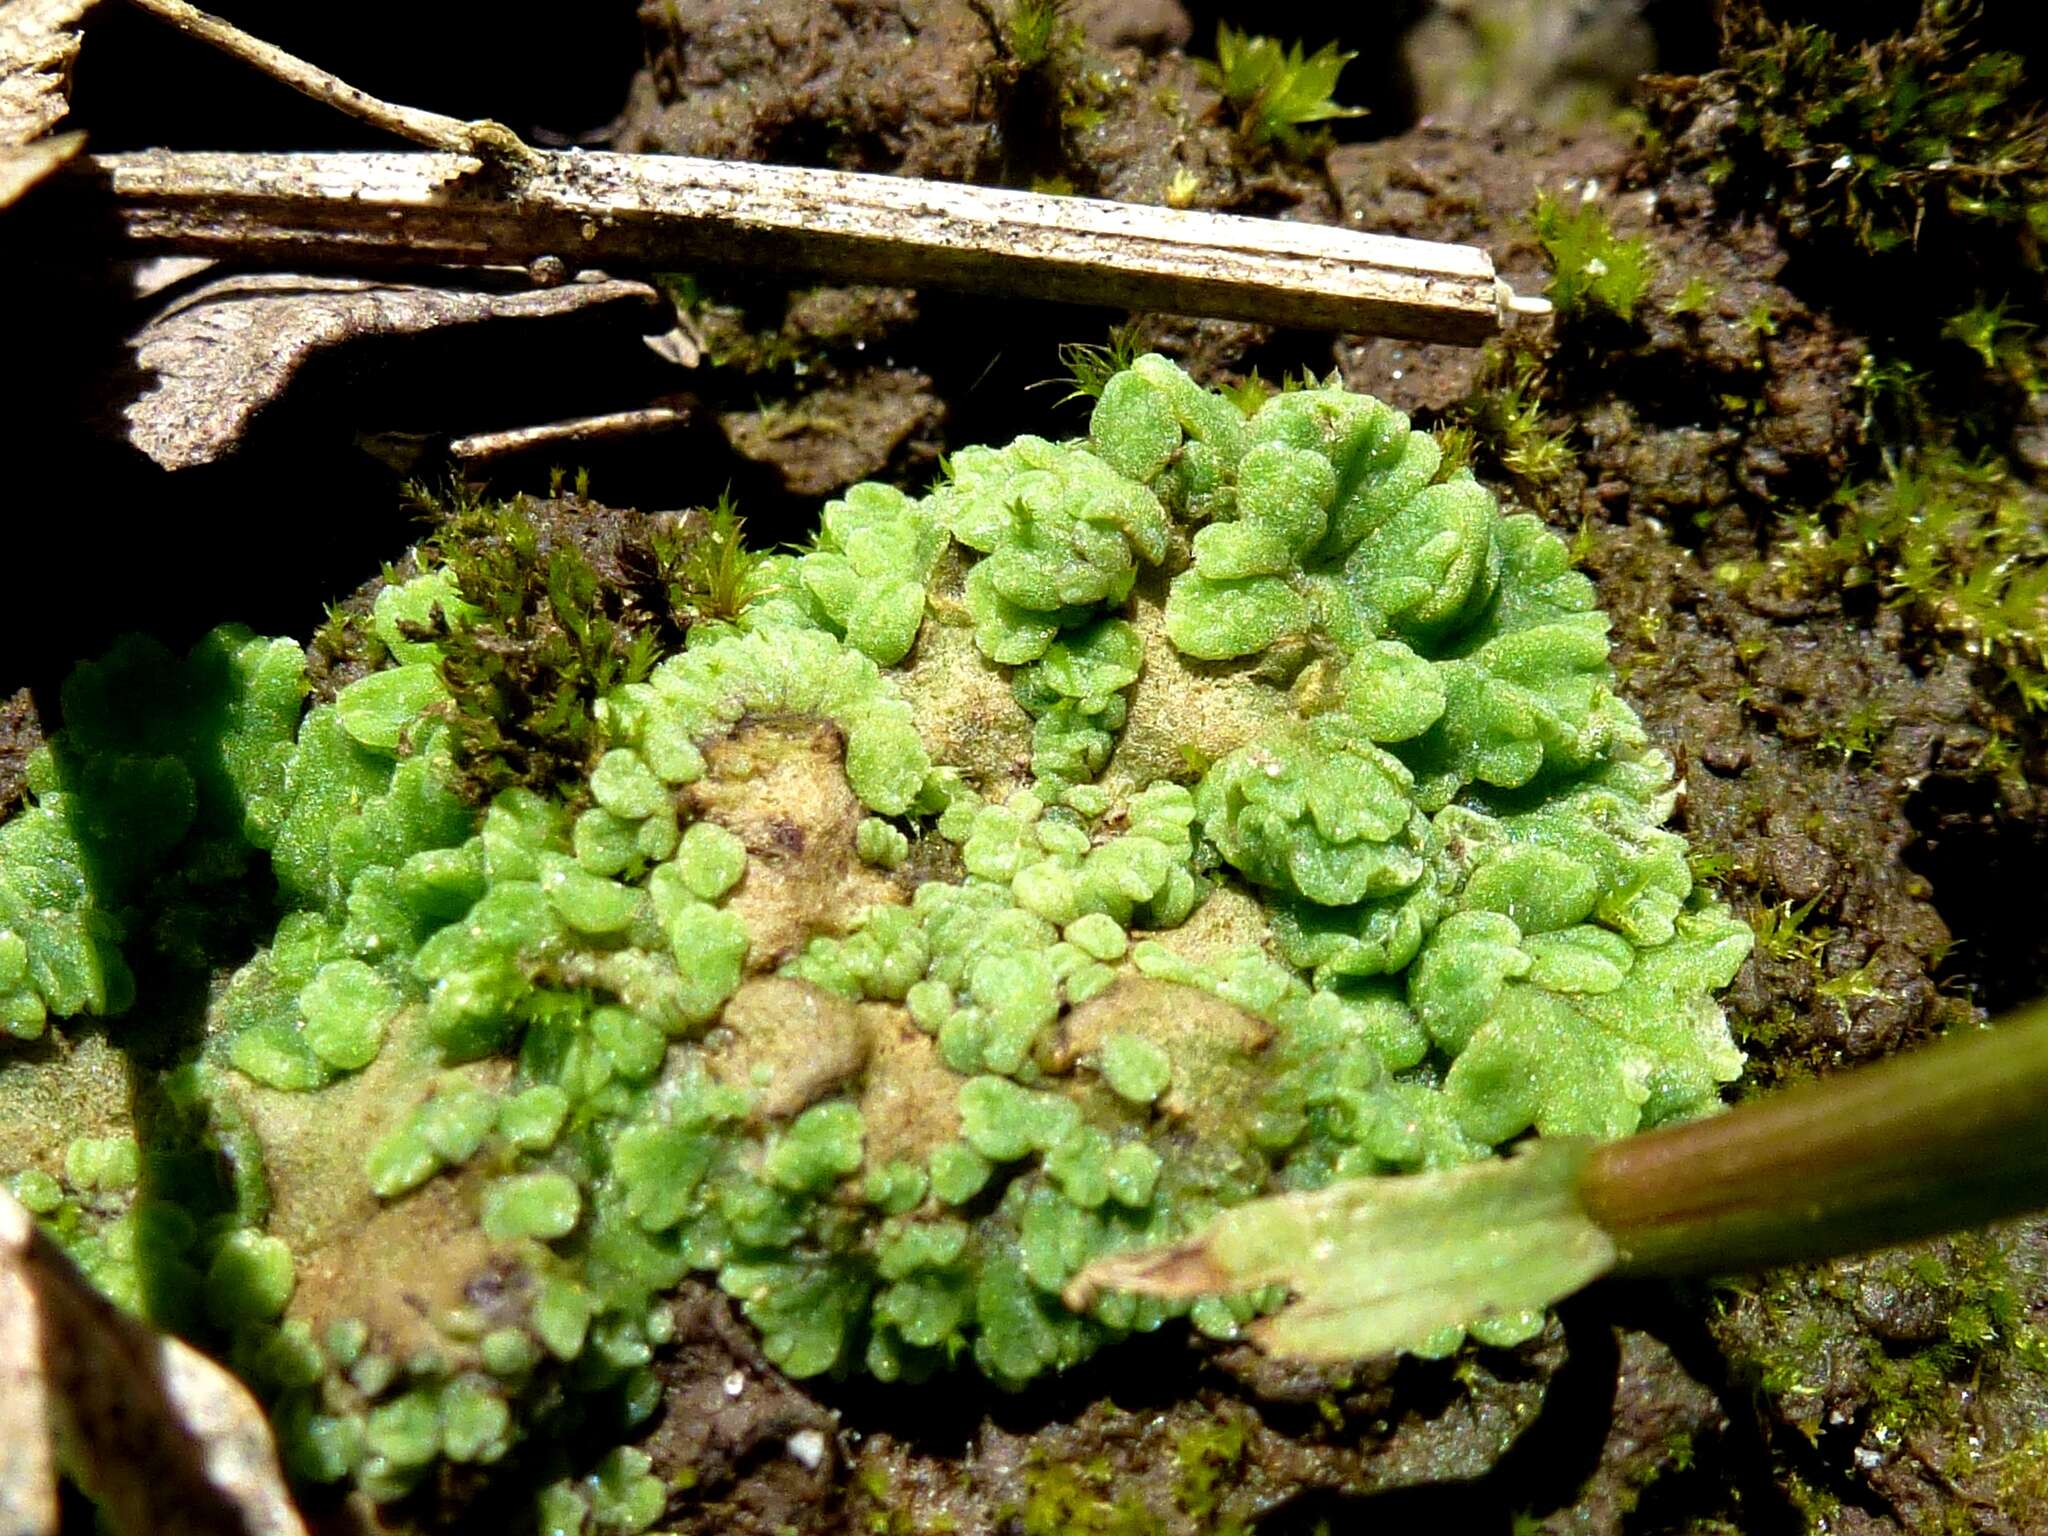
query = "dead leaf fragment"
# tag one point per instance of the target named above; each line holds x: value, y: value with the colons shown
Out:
x: 38, y: 42
x: 161, y: 1438
x: 225, y: 351
x: 28, y: 1475
x: 23, y: 165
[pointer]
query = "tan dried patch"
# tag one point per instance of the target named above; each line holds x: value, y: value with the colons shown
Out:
x: 1184, y: 714
x: 790, y: 1042
x: 343, y: 1238
x: 779, y: 784
x: 1210, y: 1043
x: 62, y: 1086
x: 910, y: 1104
x: 1229, y: 921
x: 965, y: 712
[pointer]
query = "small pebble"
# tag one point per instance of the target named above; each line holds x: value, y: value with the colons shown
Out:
x: 808, y: 1447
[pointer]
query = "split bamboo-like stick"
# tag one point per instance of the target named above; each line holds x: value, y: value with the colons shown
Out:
x: 655, y: 212
x: 486, y: 197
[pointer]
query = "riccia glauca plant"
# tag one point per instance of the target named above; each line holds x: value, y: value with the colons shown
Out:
x: 1221, y: 804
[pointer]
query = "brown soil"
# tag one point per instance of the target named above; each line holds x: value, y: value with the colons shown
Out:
x: 21, y: 733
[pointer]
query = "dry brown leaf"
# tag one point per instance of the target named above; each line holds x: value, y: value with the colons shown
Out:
x: 23, y: 165
x: 28, y: 1476
x: 224, y: 352
x: 38, y: 42
x: 161, y: 1438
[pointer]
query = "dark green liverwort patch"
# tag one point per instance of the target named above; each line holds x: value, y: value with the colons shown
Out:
x: 1227, y: 801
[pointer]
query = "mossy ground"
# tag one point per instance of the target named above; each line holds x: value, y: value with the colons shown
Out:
x: 1862, y: 776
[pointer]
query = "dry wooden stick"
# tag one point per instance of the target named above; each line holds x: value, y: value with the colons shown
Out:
x: 655, y: 212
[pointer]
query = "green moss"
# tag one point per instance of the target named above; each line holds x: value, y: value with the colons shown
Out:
x: 1204, y: 1457
x: 1593, y: 270
x: 1501, y: 425
x: 1914, y: 162
x: 1693, y: 298
x: 1062, y: 1499
x: 1959, y: 545
x: 1960, y: 1364
x: 1097, y: 1498
x: 1036, y: 34
x: 1887, y: 142
x: 1983, y: 1332
x: 1276, y: 90
x: 705, y: 570
x: 1091, y: 365
x: 530, y: 640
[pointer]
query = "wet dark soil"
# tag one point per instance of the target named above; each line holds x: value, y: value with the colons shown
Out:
x: 20, y: 734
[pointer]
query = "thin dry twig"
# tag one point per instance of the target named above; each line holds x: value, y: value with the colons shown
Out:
x: 435, y: 130
x: 482, y: 447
